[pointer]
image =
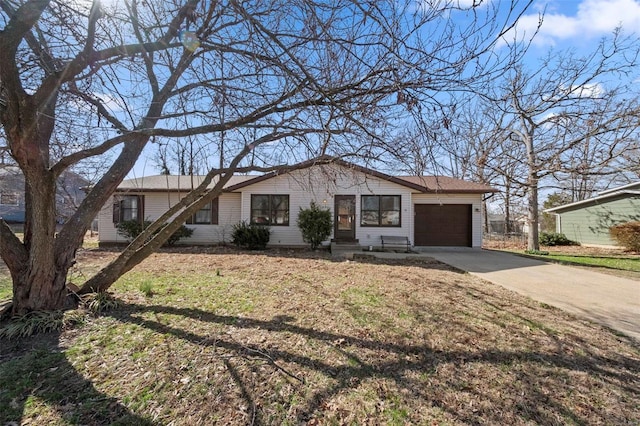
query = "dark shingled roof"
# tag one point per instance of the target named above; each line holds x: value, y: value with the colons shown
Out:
x: 426, y: 184
x: 172, y: 183
x: 447, y: 184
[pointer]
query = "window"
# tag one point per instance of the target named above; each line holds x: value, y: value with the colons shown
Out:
x: 380, y: 210
x: 208, y: 215
x: 128, y: 207
x: 9, y: 198
x: 270, y: 210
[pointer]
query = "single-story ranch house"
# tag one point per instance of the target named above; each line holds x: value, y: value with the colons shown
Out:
x: 588, y: 221
x: 366, y: 204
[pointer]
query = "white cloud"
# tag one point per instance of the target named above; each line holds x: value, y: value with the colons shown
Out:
x: 590, y: 90
x: 592, y: 19
x: 587, y: 90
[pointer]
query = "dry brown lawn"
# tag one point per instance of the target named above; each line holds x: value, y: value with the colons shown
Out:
x: 285, y: 337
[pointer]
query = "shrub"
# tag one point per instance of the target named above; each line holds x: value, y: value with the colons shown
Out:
x: 555, y: 239
x: 250, y: 236
x: 182, y: 232
x: 315, y: 224
x: 132, y: 228
x: 627, y: 235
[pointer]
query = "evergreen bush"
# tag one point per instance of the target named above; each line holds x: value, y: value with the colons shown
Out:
x: 315, y: 224
x: 130, y: 229
x: 250, y: 236
x: 182, y: 232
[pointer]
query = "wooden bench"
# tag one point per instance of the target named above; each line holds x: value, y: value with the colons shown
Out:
x: 395, y: 241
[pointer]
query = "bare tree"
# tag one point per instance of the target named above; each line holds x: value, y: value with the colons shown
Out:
x: 185, y: 156
x: 280, y: 80
x: 465, y: 139
x: 568, y: 122
x: 574, y: 115
x: 596, y: 164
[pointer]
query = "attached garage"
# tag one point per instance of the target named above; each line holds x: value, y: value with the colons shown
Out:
x: 443, y: 225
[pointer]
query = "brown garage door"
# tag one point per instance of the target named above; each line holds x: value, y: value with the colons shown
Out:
x: 443, y: 225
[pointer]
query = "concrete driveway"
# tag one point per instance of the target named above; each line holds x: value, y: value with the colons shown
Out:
x: 605, y: 299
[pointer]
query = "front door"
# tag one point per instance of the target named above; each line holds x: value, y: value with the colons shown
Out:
x: 345, y: 209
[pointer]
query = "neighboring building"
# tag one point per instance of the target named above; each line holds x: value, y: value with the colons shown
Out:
x: 588, y: 221
x: 11, y: 194
x: 366, y: 204
x: 12, y: 204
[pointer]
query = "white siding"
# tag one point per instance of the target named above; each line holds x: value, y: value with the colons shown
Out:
x: 228, y: 215
x: 321, y: 184
x: 476, y: 210
x: 155, y: 204
x: 106, y: 230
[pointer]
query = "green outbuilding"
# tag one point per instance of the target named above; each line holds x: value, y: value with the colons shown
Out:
x: 588, y: 221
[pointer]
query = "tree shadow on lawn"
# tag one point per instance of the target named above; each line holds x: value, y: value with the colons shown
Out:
x: 403, y: 364
x: 38, y: 374
x: 306, y: 253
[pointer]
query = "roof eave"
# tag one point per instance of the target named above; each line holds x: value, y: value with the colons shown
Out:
x: 619, y: 188
x: 460, y: 191
x: 594, y: 200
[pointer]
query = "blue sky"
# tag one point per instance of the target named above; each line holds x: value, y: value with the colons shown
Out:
x: 578, y: 24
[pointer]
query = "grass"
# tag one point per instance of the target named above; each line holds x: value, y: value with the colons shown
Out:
x: 612, y: 259
x: 621, y: 263
x: 295, y: 338
x: 602, y: 261
x: 6, y: 287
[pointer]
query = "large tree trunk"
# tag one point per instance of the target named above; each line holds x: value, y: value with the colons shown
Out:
x: 507, y: 211
x: 532, y: 195
x: 39, y: 290
x: 526, y: 137
x: 39, y: 284
x: 40, y: 266
x: 532, y: 218
x: 38, y: 275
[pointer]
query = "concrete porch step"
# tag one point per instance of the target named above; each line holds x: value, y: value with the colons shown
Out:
x: 346, y: 246
x: 345, y: 250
